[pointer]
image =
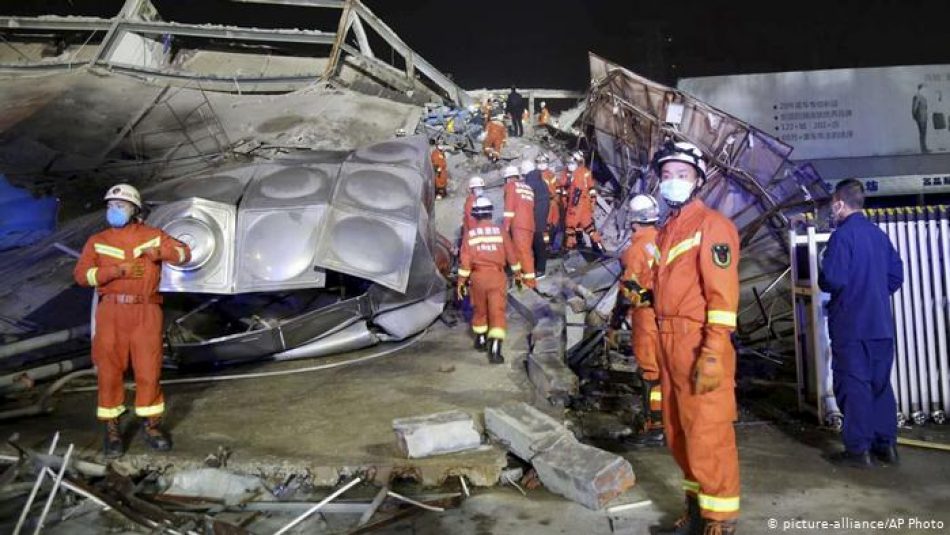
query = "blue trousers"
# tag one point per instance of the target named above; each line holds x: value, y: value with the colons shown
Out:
x: 862, y: 384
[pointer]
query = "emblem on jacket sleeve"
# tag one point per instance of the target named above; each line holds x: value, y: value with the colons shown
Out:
x: 722, y: 256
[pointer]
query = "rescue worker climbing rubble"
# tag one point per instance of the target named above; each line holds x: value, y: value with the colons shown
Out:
x: 441, y: 168
x: 544, y: 116
x: 124, y: 264
x: 580, y: 205
x: 519, y: 221
x: 496, y: 135
x: 636, y: 303
x: 486, y: 249
x: 696, y: 289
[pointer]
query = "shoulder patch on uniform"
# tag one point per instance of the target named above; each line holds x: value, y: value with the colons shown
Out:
x: 722, y: 255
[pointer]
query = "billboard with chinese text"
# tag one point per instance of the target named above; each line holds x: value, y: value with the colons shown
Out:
x: 840, y: 113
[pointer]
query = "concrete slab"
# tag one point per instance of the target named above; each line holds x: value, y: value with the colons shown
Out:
x: 522, y: 429
x: 552, y: 379
x: 436, y: 434
x: 587, y: 475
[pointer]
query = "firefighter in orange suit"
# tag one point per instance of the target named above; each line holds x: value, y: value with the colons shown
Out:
x: 579, y: 218
x: 696, y: 288
x: 495, y: 137
x: 476, y: 187
x: 519, y: 221
x: 544, y: 116
x: 486, y: 249
x: 637, y: 300
x: 124, y: 264
x: 441, y: 169
x: 554, y: 203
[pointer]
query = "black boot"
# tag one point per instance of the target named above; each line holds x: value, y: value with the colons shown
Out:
x: 494, y: 352
x: 155, y: 437
x: 112, y: 447
x: 481, y: 342
x: 887, y: 455
x: 719, y: 527
x: 851, y: 460
x: 650, y: 438
x: 598, y: 248
x: 688, y: 524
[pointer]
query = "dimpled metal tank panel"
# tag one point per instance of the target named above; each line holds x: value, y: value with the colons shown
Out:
x: 207, y: 227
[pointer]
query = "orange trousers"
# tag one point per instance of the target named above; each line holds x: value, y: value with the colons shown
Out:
x: 128, y: 333
x: 579, y: 220
x: 524, y: 244
x: 646, y: 345
x: 699, y: 429
x: 489, y: 296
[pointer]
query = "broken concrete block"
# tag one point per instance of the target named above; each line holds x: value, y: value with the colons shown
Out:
x: 436, y: 434
x: 523, y: 429
x: 550, y: 286
x: 551, y: 377
x: 546, y: 344
x: 577, y: 304
x: 582, y: 473
x: 576, y: 321
x: 530, y: 304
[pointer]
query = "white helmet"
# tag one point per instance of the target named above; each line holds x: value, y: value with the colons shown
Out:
x: 527, y: 166
x: 476, y: 182
x: 681, y: 152
x: 643, y: 209
x: 482, y: 208
x: 578, y: 156
x: 125, y: 192
x: 510, y: 171
x: 498, y: 117
x: 542, y: 157
x: 543, y: 104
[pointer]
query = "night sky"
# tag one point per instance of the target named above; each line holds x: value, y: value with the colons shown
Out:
x: 544, y: 43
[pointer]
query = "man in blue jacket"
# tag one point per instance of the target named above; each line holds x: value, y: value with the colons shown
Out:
x: 532, y: 177
x: 861, y: 269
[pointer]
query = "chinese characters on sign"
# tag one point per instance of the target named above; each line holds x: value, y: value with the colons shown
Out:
x: 812, y: 120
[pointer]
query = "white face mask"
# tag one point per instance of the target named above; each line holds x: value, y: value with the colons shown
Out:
x: 676, y: 191
x: 543, y: 166
x: 572, y: 166
x: 478, y: 191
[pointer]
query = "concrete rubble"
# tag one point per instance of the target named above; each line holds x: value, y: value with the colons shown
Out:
x: 436, y: 434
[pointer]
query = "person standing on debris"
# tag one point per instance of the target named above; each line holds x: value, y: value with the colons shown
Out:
x: 124, y: 264
x: 637, y: 298
x: 476, y: 188
x: 580, y: 205
x: 696, y: 287
x: 496, y: 135
x: 861, y: 269
x: 554, y: 201
x: 486, y: 249
x: 539, y: 249
x: 544, y: 116
x: 515, y: 108
x: 441, y: 169
x: 519, y: 221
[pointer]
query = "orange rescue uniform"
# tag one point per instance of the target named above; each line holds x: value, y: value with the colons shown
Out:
x: 519, y: 222
x: 485, y: 251
x: 638, y: 260
x: 696, y: 289
x: 129, y: 315
x: 468, y: 221
x: 554, y: 206
x: 495, y: 137
x: 580, y: 207
x: 441, y: 171
x: 543, y: 117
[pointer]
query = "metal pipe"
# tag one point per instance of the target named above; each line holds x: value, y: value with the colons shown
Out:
x: 45, y: 340
x: 919, y: 416
x: 54, y: 491
x: 900, y: 364
x: 910, y: 357
x: 22, y: 380
x: 36, y: 488
x: 927, y: 301
x: 317, y: 507
x: 40, y: 407
x: 945, y: 305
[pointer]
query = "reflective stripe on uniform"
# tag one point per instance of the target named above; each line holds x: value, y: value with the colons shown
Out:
x: 529, y: 275
x: 656, y: 395
x: 109, y: 413
x: 464, y: 272
x: 721, y: 317
x: 154, y: 242
x: 181, y: 254
x: 480, y: 329
x: 509, y: 214
x: 691, y: 486
x: 109, y: 250
x: 684, y: 246
x: 91, y: 276
x: 716, y: 504
x: 151, y: 410
x: 486, y: 239
x: 516, y: 267
x: 497, y: 333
